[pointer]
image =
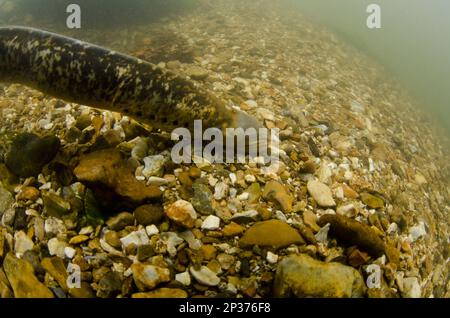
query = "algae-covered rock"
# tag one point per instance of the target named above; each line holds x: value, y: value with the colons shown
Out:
x: 303, y: 276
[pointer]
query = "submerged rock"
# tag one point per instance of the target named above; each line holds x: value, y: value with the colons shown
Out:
x: 205, y: 276
x: 321, y: 193
x: 303, y: 276
x: 54, y: 205
x: 21, y: 276
x: 372, y: 201
x: 149, y: 214
x: 6, y: 199
x: 353, y: 232
x: 29, y: 153
x: 276, y: 192
x: 120, y: 221
x: 272, y: 233
x: 149, y: 276
x: 182, y: 213
x: 202, y: 199
x: 112, y: 180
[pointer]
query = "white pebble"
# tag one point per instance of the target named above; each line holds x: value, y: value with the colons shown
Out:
x: 233, y: 178
x: 243, y: 196
x: 152, y: 230
x: 137, y: 238
x: 272, y: 258
x: 212, y: 222
x: 205, y: 276
x: 250, y: 178
x: 69, y: 252
x: 56, y: 247
x: 22, y: 243
x: 183, y: 278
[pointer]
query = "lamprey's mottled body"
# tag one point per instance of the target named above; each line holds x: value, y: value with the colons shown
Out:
x: 87, y: 74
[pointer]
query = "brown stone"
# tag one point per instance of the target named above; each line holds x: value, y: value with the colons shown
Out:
x: 112, y: 179
x: 149, y: 214
x: 272, y: 233
x: 276, y: 192
x: 21, y: 276
x: 352, y: 232
x: 28, y: 193
x: 233, y: 229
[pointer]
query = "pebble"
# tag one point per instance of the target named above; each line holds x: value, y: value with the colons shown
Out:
x: 172, y: 240
x: 220, y: 190
x: 411, y: 288
x: 310, y: 219
x: 184, y: 278
x: 55, y: 267
x: 6, y: 199
x: 149, y: 214
x: 276, y: 192
x: 69, y: 252
x: 137, y: 238
x: 140, y: 148
x: 182, y: 212
x: 22, y: 243
x: 151, y: 230
x: 115, y: 177
x: 321, y: 193
x: 322, y: 235
x: 56, y: 247
x: 120, y: 221
x: 202, y: 199
x: 353, y: 232
x: 29, y: 153
x: 205, y: 276
x: 272, y: 233
x: 272, y: 258
x: 76, y: 240
x: 225, y: 260
x: 372, y: 201
x: 27, y: 193
x: 54, y: 226
x: 113, y: 239
x: 254, y: 193
x: 245, y: 217
x: 357, y: 258
x: 303, y: 276
x: 348, y: 210
x: 233, y: 229
x: 417, y: 231
x: 23, y: 282
x: 147, y: 277
x: 154, y: 166
x: 211, y: 223
x: 196, y: 72
x: 189, y: 237
x: 54, y: 205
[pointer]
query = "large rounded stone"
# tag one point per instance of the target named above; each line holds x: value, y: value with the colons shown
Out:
x: 303, y: 276
x: 272, y: 233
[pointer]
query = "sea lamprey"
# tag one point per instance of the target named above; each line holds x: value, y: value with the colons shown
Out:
x: 87, y: 74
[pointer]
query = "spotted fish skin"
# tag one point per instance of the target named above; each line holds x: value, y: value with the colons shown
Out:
x: 88, y: 74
